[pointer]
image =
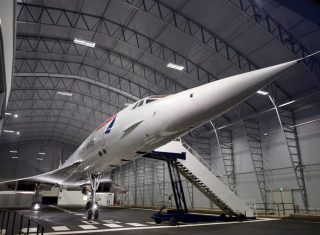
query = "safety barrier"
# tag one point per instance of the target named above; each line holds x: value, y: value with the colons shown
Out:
x: 12, y: 222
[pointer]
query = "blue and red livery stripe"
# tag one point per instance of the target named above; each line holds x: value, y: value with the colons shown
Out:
x: 111, y: 121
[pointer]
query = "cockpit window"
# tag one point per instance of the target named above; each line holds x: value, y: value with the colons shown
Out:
x: 150, y: 100
x: 135, y: 105
x: 141, y: 103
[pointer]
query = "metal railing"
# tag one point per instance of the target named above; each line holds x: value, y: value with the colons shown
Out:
x: 213, y: 170
x: 279, y: 209
x: 12, y: 222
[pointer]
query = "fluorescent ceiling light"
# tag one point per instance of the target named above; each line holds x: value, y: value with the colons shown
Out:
x: 16, y: 115
x: 42, y: 153
x: 18, y: 133
x: 14, y: 157
x: 64, y: 93
x: 13, y: 151
x: 84, y: 42
x: 263, y: 92
x: 175, y: 66
x: 39, y: 158
x: 290, y: 102
x: 8, y: 131
x: 9, y: 114
x: 25, y: 192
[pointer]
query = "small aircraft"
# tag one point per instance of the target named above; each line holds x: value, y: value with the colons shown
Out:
x: 151, y: 123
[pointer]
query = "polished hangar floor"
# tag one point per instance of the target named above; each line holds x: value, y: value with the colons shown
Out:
x: 71, y: 220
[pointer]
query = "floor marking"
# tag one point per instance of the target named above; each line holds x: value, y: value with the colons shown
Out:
x: 84, y: 217
x: 88, y: 227
x: 136, y: 224
x: 151, y: 222
x: 31, y: 230
x: 60, y: 228
x: 113, y: 225
x: 153, y: 227
x: 143, y: 209
x: 112, y: 221
x: 89, y: 222
x: 79, y: 214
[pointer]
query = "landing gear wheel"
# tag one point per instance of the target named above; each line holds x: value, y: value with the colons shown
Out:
x: 88, y: 205
x: 241, y: 217
x: 96, y: 214
x: 173, y: 221
x: 223, y: 217
x: 89, y: 214
x: 158, y: 221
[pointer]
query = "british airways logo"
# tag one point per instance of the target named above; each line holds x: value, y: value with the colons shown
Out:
x: 109, y: 123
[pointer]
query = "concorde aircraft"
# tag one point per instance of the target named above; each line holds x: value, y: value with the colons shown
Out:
x: 151, y: 123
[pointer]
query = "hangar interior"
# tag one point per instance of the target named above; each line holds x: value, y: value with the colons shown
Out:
x: 265, y: 149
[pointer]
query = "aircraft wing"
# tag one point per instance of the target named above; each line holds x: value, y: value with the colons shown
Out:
x: 57, y: 176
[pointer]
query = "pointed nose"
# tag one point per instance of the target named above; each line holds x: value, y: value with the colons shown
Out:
x: 203, y: 103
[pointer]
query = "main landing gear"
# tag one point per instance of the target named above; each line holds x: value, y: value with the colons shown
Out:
x: 92, y: 206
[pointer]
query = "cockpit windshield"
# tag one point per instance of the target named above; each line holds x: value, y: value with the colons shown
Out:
x: 147, y: 100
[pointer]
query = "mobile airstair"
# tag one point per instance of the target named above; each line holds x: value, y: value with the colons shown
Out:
x: 195, y: 170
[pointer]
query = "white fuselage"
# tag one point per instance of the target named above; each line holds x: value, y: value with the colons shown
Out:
x: 140, y: 129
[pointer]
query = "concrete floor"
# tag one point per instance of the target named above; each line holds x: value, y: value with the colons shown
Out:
x: 136, y: 221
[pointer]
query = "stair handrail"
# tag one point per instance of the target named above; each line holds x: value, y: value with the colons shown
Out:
x: 223, y: 178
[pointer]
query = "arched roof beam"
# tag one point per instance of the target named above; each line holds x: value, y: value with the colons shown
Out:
x: 199, y: 33
x: 78, y: 71
x: 16, y: 125
x: 46, y: 125
x: 7, y: 145
x: 37, y: 96
x: 45, y: 44
x: 46, y: 117
x: 117, y: 31
x: 279, y: 32
x: 58, y: 112
x: 58, y: 130
x: 72, y: 141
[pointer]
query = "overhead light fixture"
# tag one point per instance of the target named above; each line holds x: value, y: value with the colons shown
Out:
x: 290, y: 102
x: 8, y: 131
x: 42, y: 153
x: 175, y: 66
x: 84, y: 42
x: 263, y: 92
x: 16, y: 115
x: 64, y: 93
x: 8, y: 114
x: 14, y: 157
x: 39, y: 159
x: 13, y: 151
x: 24, y: 192
x: 18, y: 133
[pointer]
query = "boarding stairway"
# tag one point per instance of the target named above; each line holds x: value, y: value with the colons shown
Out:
x: 195, y: 170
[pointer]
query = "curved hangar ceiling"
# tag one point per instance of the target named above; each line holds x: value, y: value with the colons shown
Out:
x: 79, y: 62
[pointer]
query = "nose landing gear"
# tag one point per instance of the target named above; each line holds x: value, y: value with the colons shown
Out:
x: 92, y: 206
